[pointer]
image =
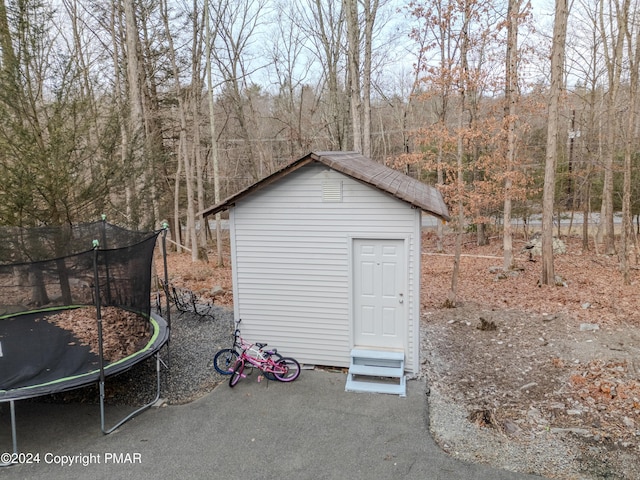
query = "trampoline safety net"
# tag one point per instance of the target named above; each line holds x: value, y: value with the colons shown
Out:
x: 48, y: 267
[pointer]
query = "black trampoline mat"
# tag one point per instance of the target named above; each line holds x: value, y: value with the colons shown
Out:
x: 38, y: 357
x: 35, y: 351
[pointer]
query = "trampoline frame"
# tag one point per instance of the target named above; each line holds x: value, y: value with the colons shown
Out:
x: 102, y: 374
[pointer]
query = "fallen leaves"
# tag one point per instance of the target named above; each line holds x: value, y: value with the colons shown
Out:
x: 123, y: 332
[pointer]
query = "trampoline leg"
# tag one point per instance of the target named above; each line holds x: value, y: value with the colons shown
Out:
x: 134, y: 413
x: 14, y: 437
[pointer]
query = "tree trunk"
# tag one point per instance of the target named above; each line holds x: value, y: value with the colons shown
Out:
x: 511, y: 82
x: 613, y: 61
x: 214, y: 138
x: 183, y: 152
x: 136, y: 119
x: 548, y: 200
x: 117, y: 38
x: 189, y: 160
x: 6, y: 44
x: 370, y: 12
x: 328, y: 25
x: 452, y: 300
x: 627, y: 225
x: 353, y: 56
x: 196, y: 101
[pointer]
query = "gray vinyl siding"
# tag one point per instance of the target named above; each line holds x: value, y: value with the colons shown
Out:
x: 291, y: 262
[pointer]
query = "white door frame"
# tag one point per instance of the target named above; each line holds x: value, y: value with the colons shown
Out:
x: 405, y: 245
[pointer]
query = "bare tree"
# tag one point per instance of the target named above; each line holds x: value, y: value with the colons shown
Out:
x: 613, y: 35
x: 436, y: 33
x: 197, y: 21
x: 555, y: 91
x: 511, y: 87
x: 583, y: 61
x: 135, y: 123
x: 291, y: 70
x: 324, y: 23
x: 360, y: 32
x: 633, y: 47
x: 214, y: 136
x: 184, y: 157
x: 462, y: 84
x: 353, y: 56
x: 237, y: 22
x: 370, y: 11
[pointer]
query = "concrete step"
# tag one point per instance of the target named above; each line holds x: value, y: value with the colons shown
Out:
x: 377, y: 354
x: 355, y: 384
x: 376, y: 371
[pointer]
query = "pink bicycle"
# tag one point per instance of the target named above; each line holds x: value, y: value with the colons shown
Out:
x: 225, y: 358
x: 283, y: 369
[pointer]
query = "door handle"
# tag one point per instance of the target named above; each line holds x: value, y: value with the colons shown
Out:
x: 401, y: 300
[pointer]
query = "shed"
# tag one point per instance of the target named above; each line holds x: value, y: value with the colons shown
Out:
x: 325, y: 257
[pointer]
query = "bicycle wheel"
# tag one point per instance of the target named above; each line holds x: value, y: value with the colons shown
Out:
x: 238, y: 368
x: 224, y: 360
x: 269, y: 375
x: 288, y: 369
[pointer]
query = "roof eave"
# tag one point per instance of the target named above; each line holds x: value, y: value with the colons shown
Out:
x: 438, y: 210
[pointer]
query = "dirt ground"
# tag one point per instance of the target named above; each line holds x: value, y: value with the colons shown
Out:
x: 523, y: 360
x: 527, y: 361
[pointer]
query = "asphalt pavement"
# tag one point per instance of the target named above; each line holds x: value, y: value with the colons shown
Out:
x: 307, y: 429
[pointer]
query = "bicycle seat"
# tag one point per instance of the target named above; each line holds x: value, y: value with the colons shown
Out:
x: 261, y: 345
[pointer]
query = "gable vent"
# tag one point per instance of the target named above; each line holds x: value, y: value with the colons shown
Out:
x: 332, y: 191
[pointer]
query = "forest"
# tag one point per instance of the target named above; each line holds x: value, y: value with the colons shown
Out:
x: 150, y: 111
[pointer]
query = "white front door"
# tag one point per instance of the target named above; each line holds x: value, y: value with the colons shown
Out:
x: 379, y: 293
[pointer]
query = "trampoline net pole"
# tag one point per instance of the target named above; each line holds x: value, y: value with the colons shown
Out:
x: 98, y: 310
x: 165, y: 227
x: 106, y: 260
x: 99, y: 320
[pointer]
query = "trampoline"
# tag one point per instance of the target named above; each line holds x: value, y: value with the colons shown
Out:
x: 40, y: 358
x: 55, y: 294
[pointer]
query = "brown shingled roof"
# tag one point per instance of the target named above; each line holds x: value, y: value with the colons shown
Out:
x: 361, y: 168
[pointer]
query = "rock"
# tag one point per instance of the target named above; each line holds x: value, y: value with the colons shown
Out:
x: 217, y: 290
x: 628, y: 422
x: 534, y: 415
x: 528, y: 386
x: 559, y: 281
x: 534, y: 246
x: 510, y: 428
x: 585, y: 305
x: 589, y: 327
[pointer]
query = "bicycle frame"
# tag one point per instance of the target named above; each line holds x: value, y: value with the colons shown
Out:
x: 260, y: 359
x: 283, y: 369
